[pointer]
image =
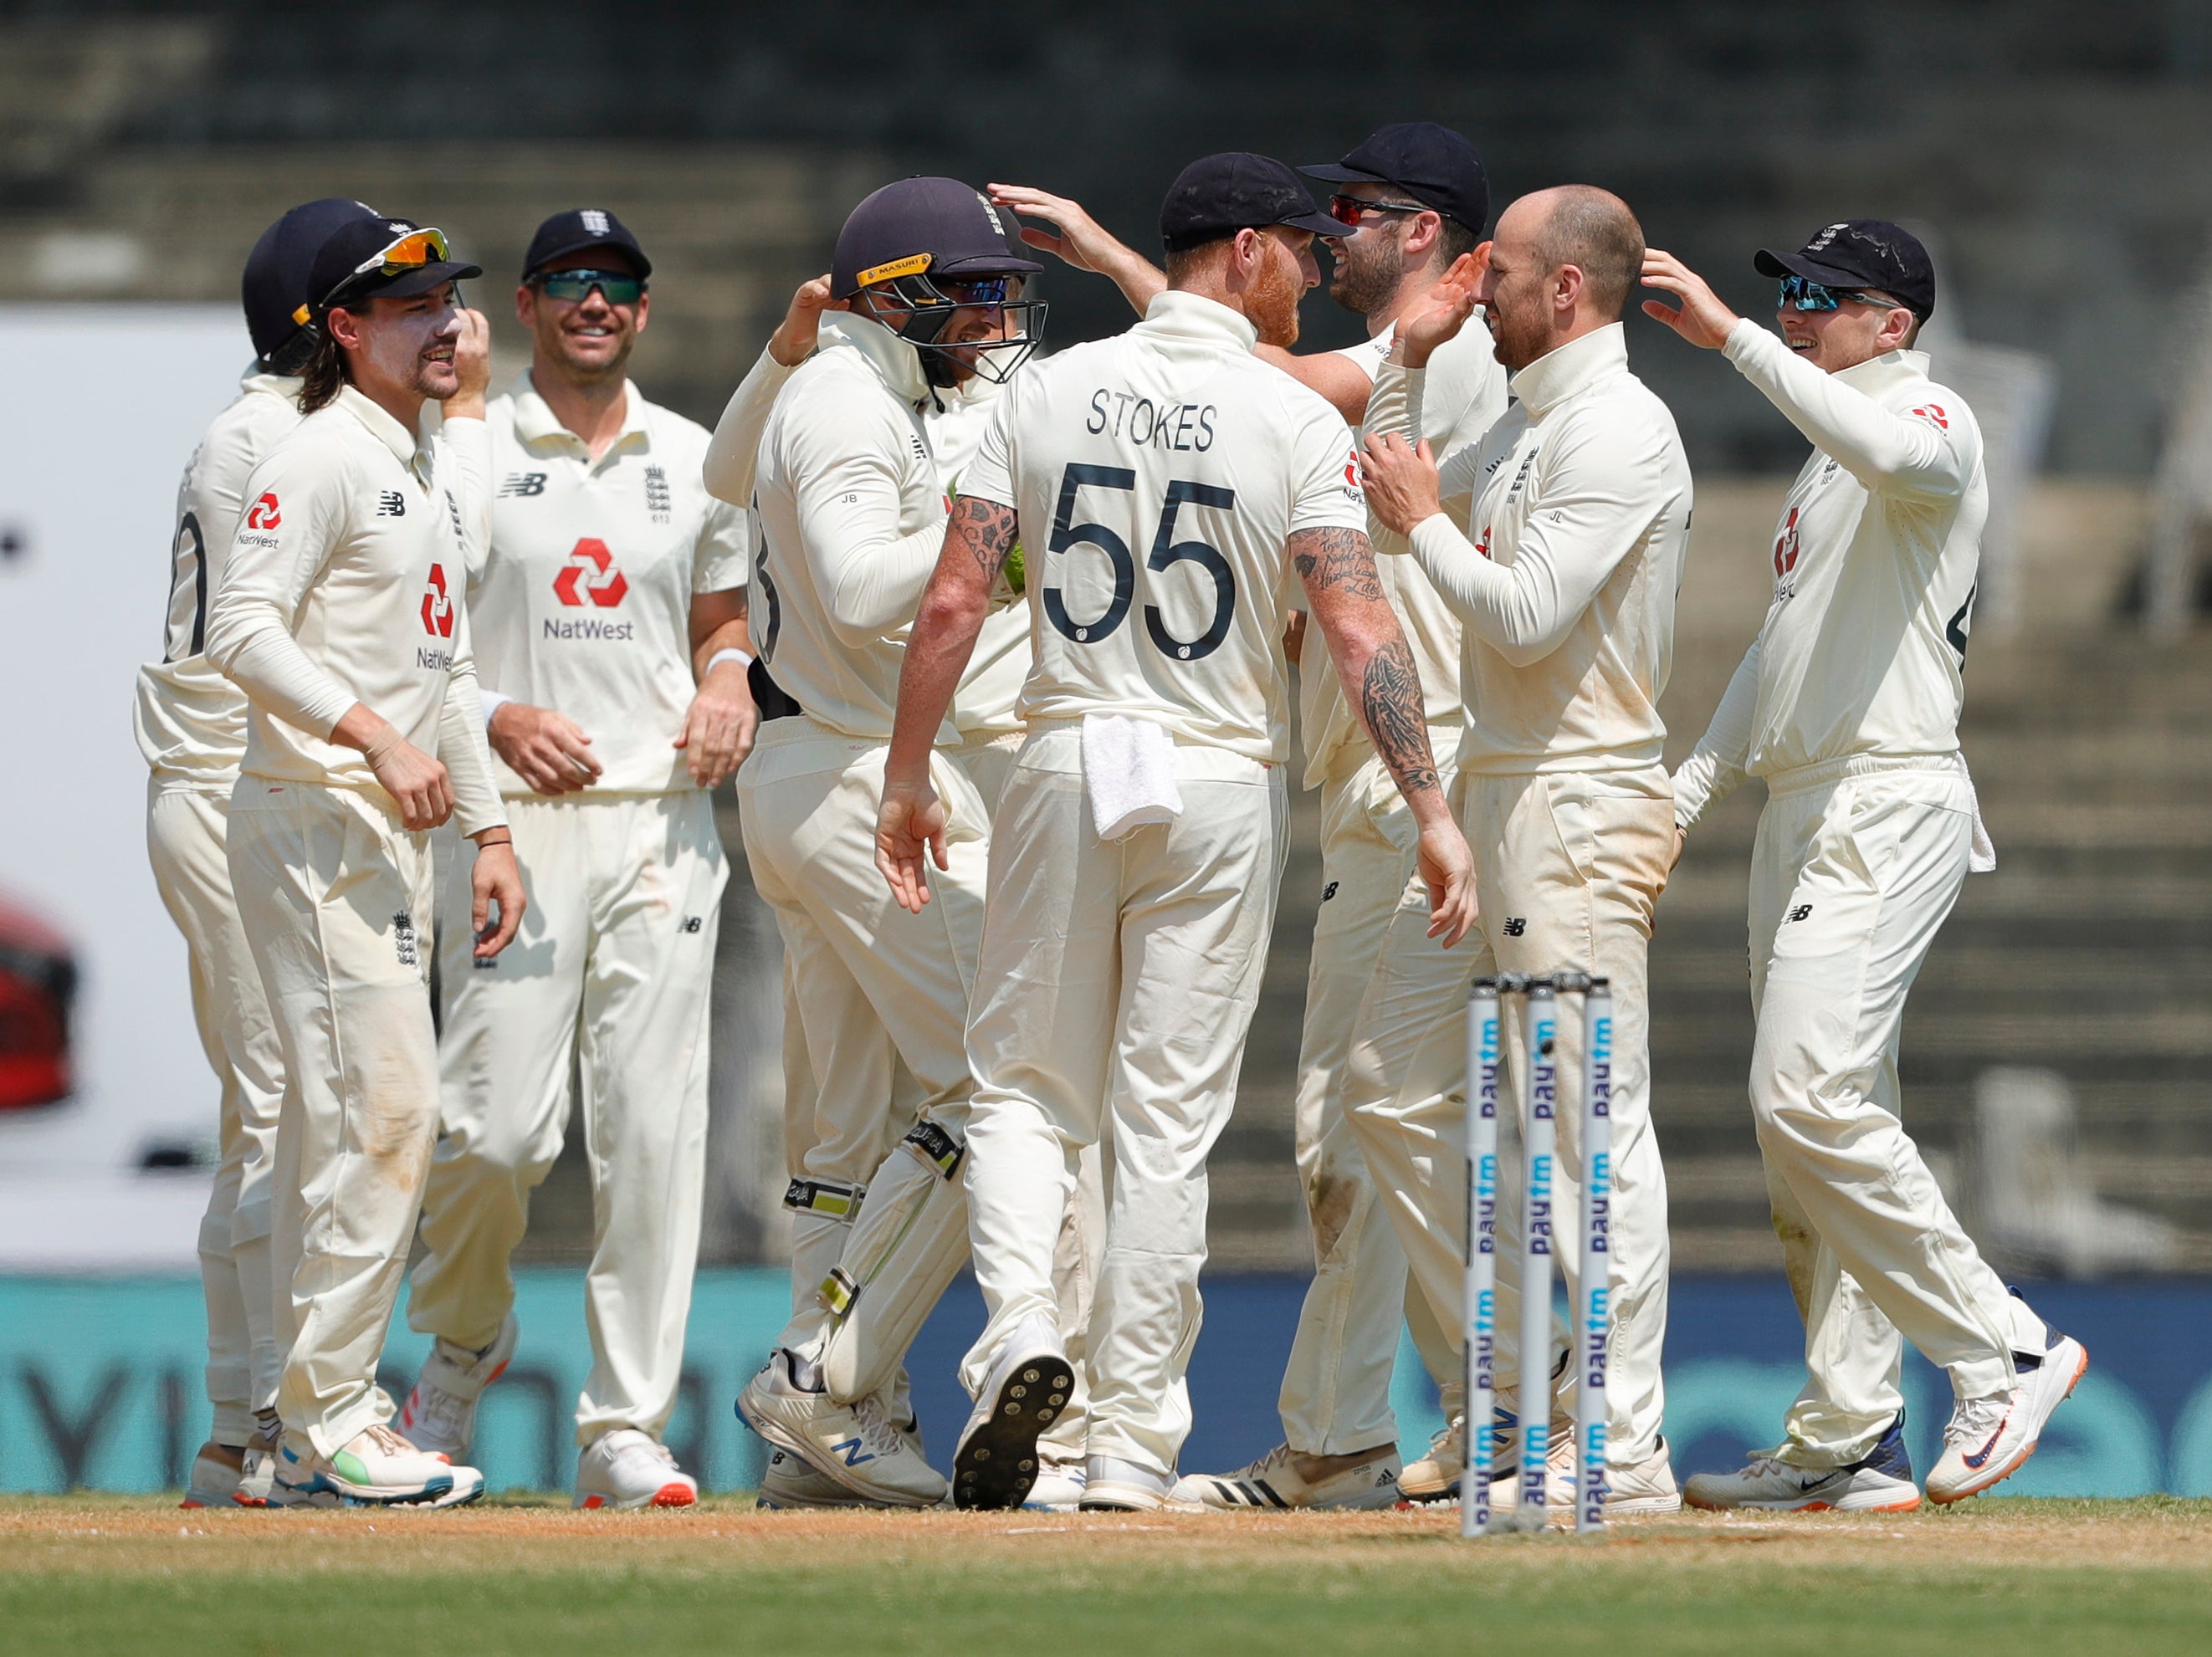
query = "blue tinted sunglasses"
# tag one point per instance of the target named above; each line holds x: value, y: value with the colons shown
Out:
x: 619, y: 286
x: 1812, y: 296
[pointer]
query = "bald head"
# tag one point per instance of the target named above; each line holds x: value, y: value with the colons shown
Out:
x: 1561, y: 266
x: 1593, y: 230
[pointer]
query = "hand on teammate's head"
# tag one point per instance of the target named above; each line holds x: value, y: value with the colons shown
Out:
x: 1702, y: 318
x: 794, y: 337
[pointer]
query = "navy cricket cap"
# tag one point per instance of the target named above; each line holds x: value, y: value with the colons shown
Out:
x: 338, y: 275
x: 578, y: 228
x: 275, y: 290
x: 924, y: 226
x: 1861, y: 253
x: 1433, y: 164
x: 1217, y: 195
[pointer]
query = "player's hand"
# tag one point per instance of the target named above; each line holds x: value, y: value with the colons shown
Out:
x: 718, y: 729
x: 418, y: 785
x: 1447, y: 868
x: 548, y: 750
x: 1081, y: 240
x: 1401, y: 478
x: 912, y: 819
x: 495, y: 883
x: 1439, y: 314
x: 792, y: 341
x: 1702, y: 319
x: 472, y: 366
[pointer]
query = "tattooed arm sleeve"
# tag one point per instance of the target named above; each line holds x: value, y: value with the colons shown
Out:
x: 1344, y: 599
x: 977, y: 539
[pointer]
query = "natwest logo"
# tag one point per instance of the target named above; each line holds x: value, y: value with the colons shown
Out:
x: 263, y: 513
x: 438, y: 606
x: 590, y: 558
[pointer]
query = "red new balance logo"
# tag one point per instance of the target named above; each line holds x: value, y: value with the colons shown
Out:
x: 591, y: 557
x: 438, y: 606
x: 263, y: 514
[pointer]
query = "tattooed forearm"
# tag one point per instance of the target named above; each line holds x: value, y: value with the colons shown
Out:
x: 1335, y: 559
x: 988, y: 528
x: 1390, y: 701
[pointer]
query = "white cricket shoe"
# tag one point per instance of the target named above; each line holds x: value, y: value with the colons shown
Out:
x: 1649, y: 1487
x: 1113, y: 1485
x: 1435, y: 1477
x: 1880, y: 1481
x: 788, y: 1482
x: 1059, y: 1486
x: 439, y: 1414
x: 257, y: 1470
x: 378, y: 1468
x: 1285, y: 1477
x: 1028, y: 1386
x: 855, y: 1444
x: 215, y: 1477
x: 626, y: 1468
x: 1989, y: 1438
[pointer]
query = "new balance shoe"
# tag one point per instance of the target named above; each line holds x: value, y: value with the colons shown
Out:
x: 1059, y: 1486
x: 788, y: 1482
x: 627, y: 1468
x: 216, y: 1472
x: 1285, y: 1477
x: 854, y: 1444
x: 1880, y: 1481
x: 377, y: 1468
x: 1113, y: 1485
x: 257, y: 1471
x: 439, y: 1414
x: 1989, y: 1438
x: 1028, y: 1386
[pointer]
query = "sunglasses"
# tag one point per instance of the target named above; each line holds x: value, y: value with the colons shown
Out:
x: 1812, y: 296
x: 410, y: 252
x: 1347, y: 210
x: 618, y: 287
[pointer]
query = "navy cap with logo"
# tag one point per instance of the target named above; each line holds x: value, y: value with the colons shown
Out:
x: 1433, y: 164
x: 382, y: 258
x: 1870, y: 253
x: 1217, y: 195
x: 275, y: 288
x: 939, y: 226
x: 578, y: 228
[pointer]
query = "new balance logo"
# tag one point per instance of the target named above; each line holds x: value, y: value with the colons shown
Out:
x: 851, y: 1451
x: 1516, y: 926
x: 1799, y: 914
x: 391, y: 504
x: 692, y: 923
x: 1329, y: 891
x: 521, y: 483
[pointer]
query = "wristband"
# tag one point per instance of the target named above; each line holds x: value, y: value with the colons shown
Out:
x: 743, y: 658
x: 493, y: 701
x: 507, y: 838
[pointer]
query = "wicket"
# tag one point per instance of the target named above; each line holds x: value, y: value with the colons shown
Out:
x: 1540, y: 996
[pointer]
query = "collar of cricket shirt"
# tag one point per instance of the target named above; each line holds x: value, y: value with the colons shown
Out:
x: 1878, y: 373
x: 403, y: 443
x: 536, y: 422
x: 284, y: 385
x: 897, y: 363
x: 1177, y: 315
x: 1579, y: 364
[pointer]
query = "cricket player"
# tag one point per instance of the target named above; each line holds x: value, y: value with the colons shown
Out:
x: 1139, y: 840
x: 190, y: 725
x: 1847, y: 706
x: 1561, y: 553
x: 341, y: 616
x: 849, y: 501
x: 609, y: 614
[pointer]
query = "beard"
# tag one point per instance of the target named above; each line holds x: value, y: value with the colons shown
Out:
x: 1365, y: 277
x: 1273, y: 308
x: 1519, y: 334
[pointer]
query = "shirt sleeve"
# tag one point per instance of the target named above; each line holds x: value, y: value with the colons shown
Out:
x: 1601, y: 490
x: 271, y: 566
x: 1326, y: 488
x: 1398, y: 404
x: 990, y: 475
x: 1928, y: 454
x: 1715, y: 768
x: 724, y: 556
x: 870, y: 575
x: 462, y: 745
x: 733, y: 451
x: 462, y: 458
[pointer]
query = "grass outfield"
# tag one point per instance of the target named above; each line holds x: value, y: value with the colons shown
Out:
x: 91, y: 1574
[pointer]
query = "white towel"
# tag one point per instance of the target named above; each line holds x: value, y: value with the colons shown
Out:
x: 1128, y: 766
x: 1981, y: 852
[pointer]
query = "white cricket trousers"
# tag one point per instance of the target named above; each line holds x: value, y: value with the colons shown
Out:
x: 610, y: 975
x: 1568, y: 867
x: 1117, y: 986
x: 1335, y: 1396
x: 334, y: 898
x: 1854, y: 871
x: 186, y: 832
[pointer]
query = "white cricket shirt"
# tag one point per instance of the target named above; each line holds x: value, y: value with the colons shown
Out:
x: 1463, y: 395
x: 1578, y: 501
x: 1861, y: 656
x: 583, y: 602
x: 1157, y: 474
x: 345, y: 585
x: 190, y: 719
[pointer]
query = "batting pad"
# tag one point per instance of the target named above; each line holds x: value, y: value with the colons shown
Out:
x: 902, y: 1252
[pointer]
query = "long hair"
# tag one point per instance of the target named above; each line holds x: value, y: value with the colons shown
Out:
x: 324, y: 374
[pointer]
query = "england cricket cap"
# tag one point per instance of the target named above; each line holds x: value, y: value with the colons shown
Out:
x: 578, y: 228
x: 1217, y: 195
x: 339, y: 273
x: 276, y: 285
x: 1861, y: 253
x: 1433, y: 164
x: 924, y: 226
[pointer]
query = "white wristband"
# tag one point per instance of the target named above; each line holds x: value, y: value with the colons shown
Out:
x: 493, y: 701
x: 743, y: 658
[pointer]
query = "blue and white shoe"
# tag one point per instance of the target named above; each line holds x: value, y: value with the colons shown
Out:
x: 1991, y: 1438
x: 855, y: 1444
x: 1058, y: 1487
x: 1880, y: 1482
x: 375, y: 1468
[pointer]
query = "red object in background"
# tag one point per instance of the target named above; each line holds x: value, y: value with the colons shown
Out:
x: 38, y: 981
